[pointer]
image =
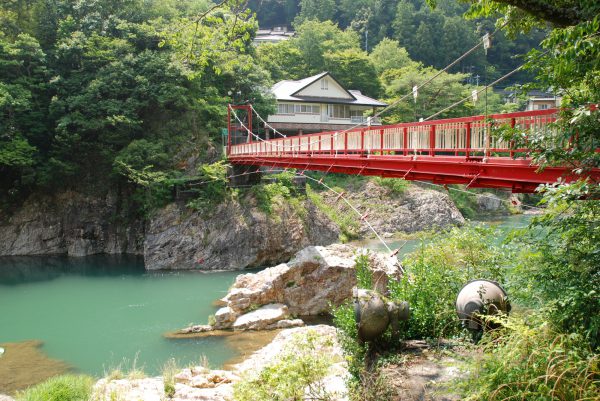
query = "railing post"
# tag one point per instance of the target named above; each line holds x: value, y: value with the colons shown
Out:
x: 513, y: 123
x: 362, y: 141
x: 468, y: 140
x: 346, y: 142
x: 432, y: 140
x: 319, y: 143
x: 405, y: 141
x: 331, y: 148
x: 228, y: 129
x: 381, y: 141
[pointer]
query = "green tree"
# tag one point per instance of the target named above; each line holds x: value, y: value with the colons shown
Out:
x: 320, y: 10
x: 388, y: 55
x: 315, y: 38
x: 355, y: 70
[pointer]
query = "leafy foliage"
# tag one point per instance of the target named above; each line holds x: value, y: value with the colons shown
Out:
x: 534, y: 363
x: 295, y: 374
x: 436, y: 272
x: 88, y: 87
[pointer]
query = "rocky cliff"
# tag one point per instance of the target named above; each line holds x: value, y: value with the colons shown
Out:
x: 235, y: 235
x: 410, y: 210
x: 70, y: 223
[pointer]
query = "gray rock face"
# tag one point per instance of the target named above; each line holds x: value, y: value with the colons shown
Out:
x: 415, y: 209
x: 236, y: 235
x: 69, y: 223
x: 488, y: 202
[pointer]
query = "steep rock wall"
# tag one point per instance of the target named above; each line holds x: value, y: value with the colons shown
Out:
x: 69, y: 223
x: 235, y: 235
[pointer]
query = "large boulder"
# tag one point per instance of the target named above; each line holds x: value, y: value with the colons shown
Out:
x: 314, y: 280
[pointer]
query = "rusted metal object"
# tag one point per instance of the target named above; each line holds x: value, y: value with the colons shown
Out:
x: 479, y: 298
x: 373, y: 314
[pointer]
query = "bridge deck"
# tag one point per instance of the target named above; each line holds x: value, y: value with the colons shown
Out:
x: 450, y: 151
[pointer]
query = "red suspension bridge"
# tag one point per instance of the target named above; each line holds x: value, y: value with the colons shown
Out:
x: 448, y: 151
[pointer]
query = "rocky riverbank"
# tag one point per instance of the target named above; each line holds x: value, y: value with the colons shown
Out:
x: 200, y: 383
x: 235, y: 234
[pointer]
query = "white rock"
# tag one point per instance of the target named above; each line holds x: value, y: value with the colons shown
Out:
x: 261, y: 318
x: 224, y: 318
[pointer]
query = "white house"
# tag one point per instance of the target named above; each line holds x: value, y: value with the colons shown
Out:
x: 319, y: 103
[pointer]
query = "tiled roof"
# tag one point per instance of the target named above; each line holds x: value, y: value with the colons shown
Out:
x: 286, y: 90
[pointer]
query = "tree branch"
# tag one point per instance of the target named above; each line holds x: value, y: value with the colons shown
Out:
x: 547, y: 10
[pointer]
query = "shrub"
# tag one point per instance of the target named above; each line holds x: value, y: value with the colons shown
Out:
x: 532, y: 363
x: 435, y: 273
x: 213, y: 188
x: 347, y: 222
x: 364, y: 274
x: 296, y: 374
x: 558, y: 269
x: 60, y: 388
x: 395, y: 185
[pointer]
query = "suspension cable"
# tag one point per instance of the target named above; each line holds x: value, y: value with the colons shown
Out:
x: 387, y: 108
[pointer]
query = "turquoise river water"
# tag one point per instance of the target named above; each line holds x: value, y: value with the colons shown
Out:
x: 99, y: 312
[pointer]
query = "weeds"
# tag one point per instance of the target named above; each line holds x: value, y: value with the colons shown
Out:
x: 396, y: 185
x: 533, y: 362
x: 297, y: 373
x: 169, y: 370
x: 348, y: 224
x: 60, y: 388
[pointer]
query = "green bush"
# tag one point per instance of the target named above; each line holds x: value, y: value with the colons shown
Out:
x: 435, y: 273
x: 295, y: 374
x: 524, y: 362
x: 213, y: 187
x: 395, y: 185
x: 60, y: 388
x: 558, y: 268
x: 347, y: 222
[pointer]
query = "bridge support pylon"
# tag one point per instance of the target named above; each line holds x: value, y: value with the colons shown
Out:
x: 241, y: 175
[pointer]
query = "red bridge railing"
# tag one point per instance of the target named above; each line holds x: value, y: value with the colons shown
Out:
x: 467, y: 136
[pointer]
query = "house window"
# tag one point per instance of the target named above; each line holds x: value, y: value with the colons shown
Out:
x: 324, y: 84
x: 285, y: 108
x: 542, y: 107
x: 307, y: 109
x: 338, y: 111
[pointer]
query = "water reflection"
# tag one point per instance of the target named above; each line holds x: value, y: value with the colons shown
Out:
x: 15, y: 270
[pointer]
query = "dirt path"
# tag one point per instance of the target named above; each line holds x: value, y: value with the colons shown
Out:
x: 424, y: 373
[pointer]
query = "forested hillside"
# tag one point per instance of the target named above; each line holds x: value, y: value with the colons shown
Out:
x: 92, y: 91
x: 131, y: 95
x: 434, y: 37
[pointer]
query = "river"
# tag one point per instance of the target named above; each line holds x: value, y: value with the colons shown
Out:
x: 98, y: 313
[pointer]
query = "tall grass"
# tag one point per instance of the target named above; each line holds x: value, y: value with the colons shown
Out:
x: 59, y: 388
x: 533, y: 362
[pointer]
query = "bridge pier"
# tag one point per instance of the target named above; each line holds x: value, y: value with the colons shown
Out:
x: 241, y: 175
